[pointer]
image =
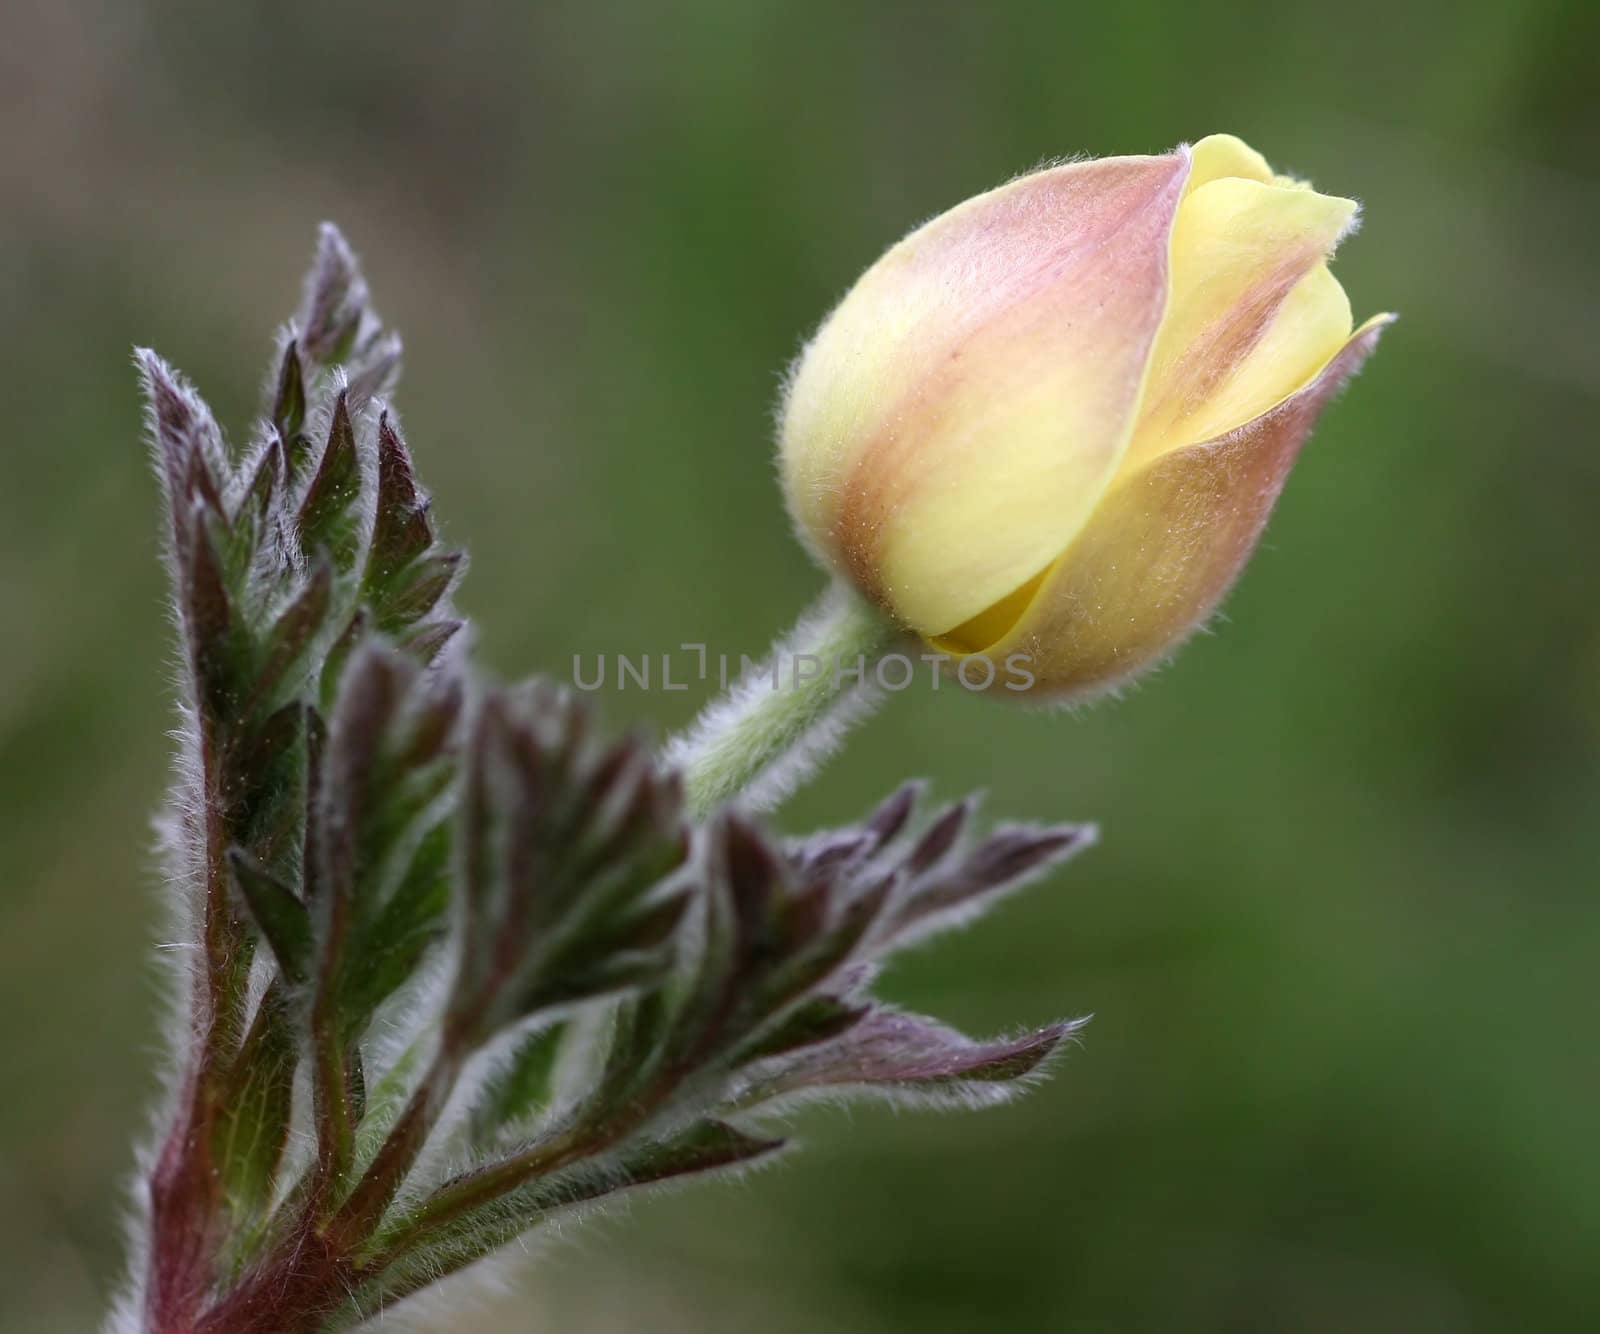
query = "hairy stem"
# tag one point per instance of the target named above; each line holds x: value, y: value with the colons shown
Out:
x: 782, y: 720
x: 185, y: 1195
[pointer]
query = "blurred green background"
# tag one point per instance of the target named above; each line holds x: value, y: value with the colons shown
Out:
x: 1341, y: 935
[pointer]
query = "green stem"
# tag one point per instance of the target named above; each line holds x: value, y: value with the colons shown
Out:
x: 777, y: 725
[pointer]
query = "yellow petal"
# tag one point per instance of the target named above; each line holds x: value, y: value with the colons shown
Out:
x: 1305, y: 332
x: 1253, y: 313
x: 1218, y: 156
x: 954, y: 421
x: 1162, y: 548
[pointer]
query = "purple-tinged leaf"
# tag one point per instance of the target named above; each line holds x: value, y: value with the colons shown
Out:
x: 200, y: 486
x: 834, y: 942
x: 1015, y: 851
x: 374, y: 688
x: 892, y: 1051
x: 187, y: 444
x: 424, y: 643
x: 437, y: 710
x: 289, y: 399
x: 374, y: 368
x: 563, y: 846
x: 826, y: 857
x: 402, y: 529
x: 752, y: 874
x: 218, y: 648
x: 378, y: 837
x: 885, y: 823
x: 267, y: 483
x: 940, y: 837
x: 335, y: 301
x: 960, y: 887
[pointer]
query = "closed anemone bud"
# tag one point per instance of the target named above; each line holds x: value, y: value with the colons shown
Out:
x: 1053, y: 420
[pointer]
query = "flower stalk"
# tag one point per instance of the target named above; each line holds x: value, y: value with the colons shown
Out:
x: 786, y: 716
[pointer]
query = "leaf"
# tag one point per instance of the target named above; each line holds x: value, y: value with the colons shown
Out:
x: 291, y: 635
x: 522, y: 1086
x: 218, y: 644
x: 339, y: 655
x: 775, y: 933
x: 416, y: 593
x: 264, y: 775
x: 277, y: 911
x: 311, y: 866
x: 379, y: 838
x: 327, y: 516
x: 289, y: 400
x: 424, y: 643
x: 704, y: 1147
x: 562, y: 847
x: 310, y: 581
x: 793, y: 933
x: 258, y: 505
x: 903, y: 1053
x: 423, y: 1256
x: 355, y: 1084
x: 600, y: 972
x: 940, y: 836
x: 431, y: 726
x: 960, y: 888
x: 386, y: 1099
x: 374, y: 366
x: 885, y: 823
x: 819, y: 1019
x: 370, y: 698
x: 335, y: 302
x: 253, y: 1128
x: 388, y: 941
x: 402, y: 529
x: 187, y: 445
x: 639, y: 1049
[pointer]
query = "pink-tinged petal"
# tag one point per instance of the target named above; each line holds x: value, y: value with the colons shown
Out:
x: 1244, y: 253
x: 1163, y: 548
x: 957, y: 418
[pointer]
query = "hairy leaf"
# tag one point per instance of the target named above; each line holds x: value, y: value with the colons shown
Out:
x: 566, y: 852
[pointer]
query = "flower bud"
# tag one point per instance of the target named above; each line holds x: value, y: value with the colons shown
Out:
x: 1053, y: 420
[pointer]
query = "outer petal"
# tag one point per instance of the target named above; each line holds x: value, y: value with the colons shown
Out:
x: 1165, y: 545
x: 1250, y: 319
x: 954, y: 422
